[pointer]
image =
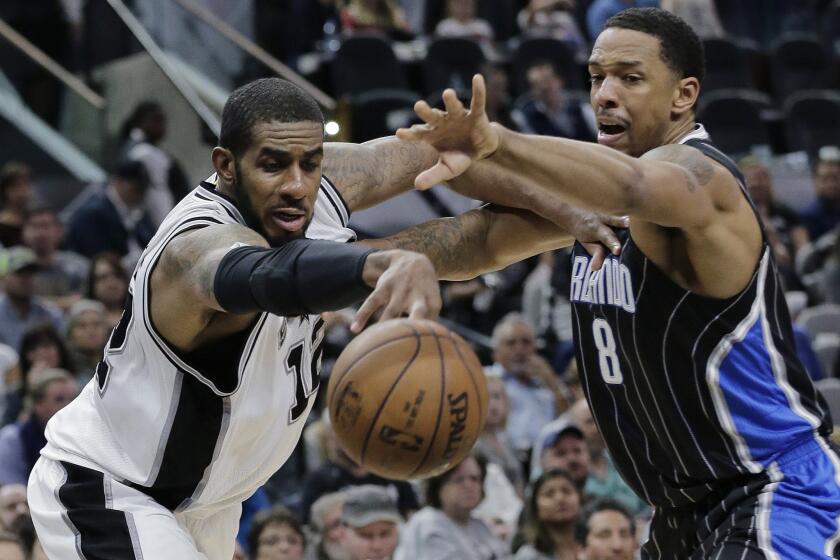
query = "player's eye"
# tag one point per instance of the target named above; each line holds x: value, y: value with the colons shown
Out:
x: 595, y: 78
x: 632, y: 78
x: 309, y: 165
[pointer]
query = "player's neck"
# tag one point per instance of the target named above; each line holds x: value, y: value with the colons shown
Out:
x: 678, y: 130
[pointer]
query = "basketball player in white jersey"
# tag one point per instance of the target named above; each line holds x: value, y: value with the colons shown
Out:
x: 208, y: 378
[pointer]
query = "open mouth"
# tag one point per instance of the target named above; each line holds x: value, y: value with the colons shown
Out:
x: 289, y: 220
x: 610, y: 133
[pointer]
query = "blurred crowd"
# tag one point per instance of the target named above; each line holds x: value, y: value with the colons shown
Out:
x: 539, y: 484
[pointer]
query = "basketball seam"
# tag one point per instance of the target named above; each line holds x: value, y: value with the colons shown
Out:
x: 388, y: 394
x: 440, y: 405
x: 472, y: 380
x: 363, y: 356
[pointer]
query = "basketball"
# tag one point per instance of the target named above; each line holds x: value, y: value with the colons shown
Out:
x: 407, y: 399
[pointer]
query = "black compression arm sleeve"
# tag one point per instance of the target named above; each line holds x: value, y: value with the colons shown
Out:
x: 303, y: 276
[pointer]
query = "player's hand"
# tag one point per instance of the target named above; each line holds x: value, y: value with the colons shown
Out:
x: 404, y: 282
x: 595, y: 233
x: 461, y: 136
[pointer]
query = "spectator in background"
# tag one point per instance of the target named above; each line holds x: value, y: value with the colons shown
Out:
x: 15, y: 198
x: 371, y: 524
x: 140, y: 135
x: 823, y: 215
x: 566, y: 449
x: 14, y: 511
x: 21, y: 442
x: 339, y: 472
x: 493, y: 443
x: 533, y: 389
x: 446, y: 528
x: 497, y: 103
x: 462, y: 22
x: 61, y: 275
x: 41, y: 349
x: 555, y: 19
x: 602, y: 10
x: 9, y: 375
x: 108, y: 284
x: 606, y: 531
x: 603, y: 479
x: 786, y: 233
x: 325, y: 520
x: 86, y: 336
x: 376, y: 15
x: 276, y: 534
x: 550, y: 111
x: 10, y: 547
x: 547, y: 530
x: 114, y: 219
x: 20, y: 308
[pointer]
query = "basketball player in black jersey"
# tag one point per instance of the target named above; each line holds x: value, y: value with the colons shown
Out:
x: 683, y: 340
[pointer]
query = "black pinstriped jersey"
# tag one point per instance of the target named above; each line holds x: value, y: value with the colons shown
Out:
x: 689, y: 390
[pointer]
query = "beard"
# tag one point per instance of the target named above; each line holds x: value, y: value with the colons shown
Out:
x: 253, y: 220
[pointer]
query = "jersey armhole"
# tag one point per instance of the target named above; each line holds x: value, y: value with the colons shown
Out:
x: 336, y: 200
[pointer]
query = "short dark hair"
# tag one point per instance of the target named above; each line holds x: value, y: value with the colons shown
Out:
x: 277, y: 515
x: 604, y: 504
x: 679, y: 45
x: 133, y: 172
x: 434, y: 484
x: 264, y: 100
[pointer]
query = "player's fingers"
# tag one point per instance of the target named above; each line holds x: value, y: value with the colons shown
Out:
x: 598, y: 254
x: 608, y: 237
x: 436, y: 175
x: 479, y: 94
x: 616, y: 221
x: 419, y: 310
x: 427, y: 113
x: 415, y: 132
x: 395, y: 307
x: 434, y: 303
x: 371, y: 305
x: 452, y: 103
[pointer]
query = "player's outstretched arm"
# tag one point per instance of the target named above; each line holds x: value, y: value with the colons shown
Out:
x: 369, y: 173
x: 492, y: 237
x: 220, y: 276
x: 674, y: 186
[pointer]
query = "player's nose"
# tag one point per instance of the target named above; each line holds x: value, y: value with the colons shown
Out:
x: 606, y: 96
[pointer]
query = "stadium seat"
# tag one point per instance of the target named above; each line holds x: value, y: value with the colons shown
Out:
x: 559, y: 53
x: 812, y: 119
x: 821, y: 319
x: 451, y: 62
x: 727, y: 65
x: 830, y: 388
x: 733, y: 118
x: 799, y: 61
x: 365, y: 62
x: 380, y: 112
x: 827, y: 349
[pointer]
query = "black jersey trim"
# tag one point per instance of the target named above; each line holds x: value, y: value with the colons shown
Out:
x: 197, y: 430
x: 227, y: 202
x: 102, y: 533
x: 176, y: 357
x: 338, y: 202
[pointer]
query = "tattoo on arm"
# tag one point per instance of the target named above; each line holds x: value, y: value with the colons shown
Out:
x: 696, y: 167
x: 192, y: 258
x: 454, y: 245
x: 369, y: 173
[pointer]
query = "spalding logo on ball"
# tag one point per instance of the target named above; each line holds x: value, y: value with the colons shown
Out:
x: 407, y: 399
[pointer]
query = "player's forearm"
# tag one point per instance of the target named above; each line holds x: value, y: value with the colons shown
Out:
x: 367, y: 174
x: 479, y: 241
x: 557, y: 171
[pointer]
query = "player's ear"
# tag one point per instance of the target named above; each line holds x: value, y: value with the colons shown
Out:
x: 223, y: 162
x: 685, y: 95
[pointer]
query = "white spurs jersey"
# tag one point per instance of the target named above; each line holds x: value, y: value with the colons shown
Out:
x: 199, y: 430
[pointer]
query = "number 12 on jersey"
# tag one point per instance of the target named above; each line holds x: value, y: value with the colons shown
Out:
x: 607, y: 357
